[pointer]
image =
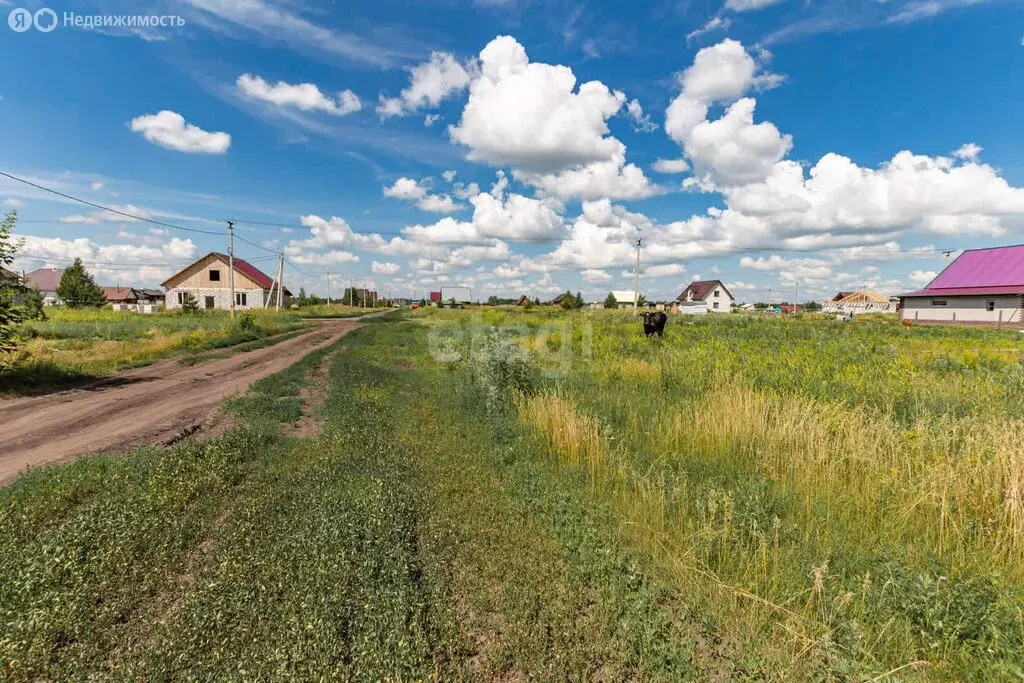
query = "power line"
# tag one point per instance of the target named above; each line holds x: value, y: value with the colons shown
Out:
x: 106, y: 208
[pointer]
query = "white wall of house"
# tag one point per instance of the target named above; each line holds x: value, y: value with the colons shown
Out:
x: 717, y: 296
x: 253, y: 298
x: 693, y: 307
x: 966, y: 309
x: 721, y: 297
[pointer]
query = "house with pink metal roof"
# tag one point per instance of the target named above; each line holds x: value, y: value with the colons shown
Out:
x: 208, y: 281
x: 981, y: 287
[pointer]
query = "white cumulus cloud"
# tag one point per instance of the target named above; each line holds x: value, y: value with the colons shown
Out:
x: 731, y: 150
x: 304, y: 96
x: 384, y: 268
x: 671, y: 166
x: 431, y: 82
x: 169, y: 130
x: 417, y: 192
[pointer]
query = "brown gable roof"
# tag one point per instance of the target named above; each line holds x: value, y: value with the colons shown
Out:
x: 118, y: 294
x: 44, y: 279
x: 702, y: 289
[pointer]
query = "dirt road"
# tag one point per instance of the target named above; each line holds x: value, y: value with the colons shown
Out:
x: 160, y: 403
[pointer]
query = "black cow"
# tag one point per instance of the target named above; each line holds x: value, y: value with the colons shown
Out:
x: 655, y: 322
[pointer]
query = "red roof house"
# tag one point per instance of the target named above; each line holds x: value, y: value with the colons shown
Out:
x: 713, y: 294
x: 980, y: 287
x: 208, y: 281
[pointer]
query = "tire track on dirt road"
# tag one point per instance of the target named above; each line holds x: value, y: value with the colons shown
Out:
x: 156, y: 404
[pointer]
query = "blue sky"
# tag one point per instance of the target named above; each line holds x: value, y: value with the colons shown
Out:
x: 837, y: 145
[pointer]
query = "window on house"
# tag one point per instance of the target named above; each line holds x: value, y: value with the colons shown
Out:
x: 716, y: 294
x: 240, y: 299
x: 214, y: 276
x: 990, y: 305
x: 938, y: 302
x: 181, y: 298
x: 716, y: 303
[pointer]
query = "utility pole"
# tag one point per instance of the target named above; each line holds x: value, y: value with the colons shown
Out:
x: 231, y: 264
x: 328, y: 289
x: 636, y: 280
x: 796, y: 299
x: 280, y: 280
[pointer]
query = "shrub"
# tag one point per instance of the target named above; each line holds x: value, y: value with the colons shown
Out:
x: 189, y: 305
x: 501, y: 368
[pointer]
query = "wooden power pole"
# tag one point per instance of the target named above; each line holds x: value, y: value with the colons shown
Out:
x: 636, y: 280
x: 280, y: 280
x: 231, y: 264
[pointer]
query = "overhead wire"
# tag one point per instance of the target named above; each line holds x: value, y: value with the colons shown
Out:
x: 94, y: 205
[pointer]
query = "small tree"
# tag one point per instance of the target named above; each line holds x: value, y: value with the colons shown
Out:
x: 10, y: 315
x: 579, y: 300
x: 568, y: 301
x: 610, y: 301
x: 536, y: 301
x: 78, y: 289
x: 641, y: 301
x: 189, y: 304
x: 32, y: 302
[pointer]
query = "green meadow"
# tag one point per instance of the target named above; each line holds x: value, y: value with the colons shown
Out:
x: 497, y: 494
x: 75, y: 345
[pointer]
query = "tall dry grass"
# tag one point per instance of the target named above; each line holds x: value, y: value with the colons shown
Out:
x: 851, y: 480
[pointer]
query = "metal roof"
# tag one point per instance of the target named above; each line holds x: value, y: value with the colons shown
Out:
x: 241, y: 265
x: 44, y: 279
x: 997, y: 270
x: 966, y: 291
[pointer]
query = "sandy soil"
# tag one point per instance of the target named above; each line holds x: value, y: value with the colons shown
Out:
x: 158, y: 404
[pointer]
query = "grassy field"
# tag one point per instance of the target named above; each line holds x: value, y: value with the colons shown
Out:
x: 76, y: 345
x: 513, y: 495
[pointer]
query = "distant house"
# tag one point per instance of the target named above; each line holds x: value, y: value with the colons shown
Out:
x: 710, y: 295
x: 788, y: 309
x: 46, y: 280
x: 435, y: 298
x: 862, y: 301
x: 134, y: 300
x: 122, y: 295
x: 154, y: 296
x: 359, y: 296
x: 557, y: 301
x: 523, y: 300
x: 981, y: 287
x: 625, y: 297
x: 208, y: 281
